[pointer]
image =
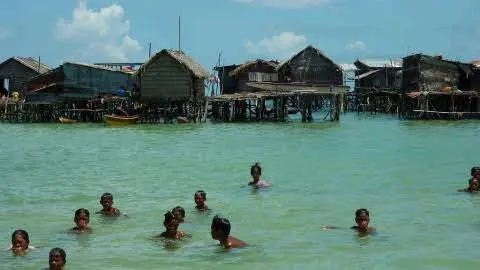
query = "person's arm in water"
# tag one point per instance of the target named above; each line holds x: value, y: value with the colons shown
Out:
x: 330, y: 227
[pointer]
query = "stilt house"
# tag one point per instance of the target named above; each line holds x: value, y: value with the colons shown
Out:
x: 171, y: 75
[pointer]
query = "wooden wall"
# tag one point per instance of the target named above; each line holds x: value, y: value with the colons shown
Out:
x: 475, y: 80
x: 426, y: 73
x: 228, y: 84
x: 18, y: 74
x: 379, y: 79
x: 165, y: 79
x: 311, y: 67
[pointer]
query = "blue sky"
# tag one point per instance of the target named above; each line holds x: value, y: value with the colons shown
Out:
x: 105, y: 30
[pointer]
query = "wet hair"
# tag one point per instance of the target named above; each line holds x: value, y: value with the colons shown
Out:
x: 23, y: 233
x: 202, y: 193
x: 168, y: 217
x: 222, y: 224
x: 106, y: 195
x: 361, y: 211
x: 179, y: 209
x: 256, y: 167
x: 475, y: 170
x: 82, y: 211
x: 60, y: 251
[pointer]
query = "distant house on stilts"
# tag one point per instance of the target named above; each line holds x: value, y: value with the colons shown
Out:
x: 172, y: 78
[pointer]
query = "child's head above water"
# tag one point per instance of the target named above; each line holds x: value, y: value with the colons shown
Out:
x: 82, y: 218
x: 20, y: 241
x: 179, y: 213
x: 106, y: 200
x: 475, y: 172
x: 170, y: 222
x: 362, y: 218
x: 57, y: 258
x: 200, y: 197
x: 220, y: 228
x: 256, y: 171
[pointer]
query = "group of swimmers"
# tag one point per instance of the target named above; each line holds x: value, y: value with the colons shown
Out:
x: 220, y: 227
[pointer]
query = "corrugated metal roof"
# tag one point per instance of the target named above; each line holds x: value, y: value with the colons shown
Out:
x: 366, y: 74
x: 94, y: 66
x: 348, y: 67
x: 33, y: 64
x: 381, y: 63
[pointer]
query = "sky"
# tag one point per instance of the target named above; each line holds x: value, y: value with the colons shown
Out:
x: 92, y: 31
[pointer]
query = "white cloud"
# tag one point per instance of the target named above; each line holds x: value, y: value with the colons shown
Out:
x: 282, y: 45
x: 103, y: 34
x: 286, y: 3
x: 357, y: 46
x: 4, y: 35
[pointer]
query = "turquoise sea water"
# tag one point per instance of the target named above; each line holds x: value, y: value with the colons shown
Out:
x: 405, y: 173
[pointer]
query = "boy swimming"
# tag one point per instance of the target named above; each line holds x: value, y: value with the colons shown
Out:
x: 20, y: 243
x: 179, y: 214
x: 200, y: 197
x: 475, y: 173
x: 171, y: 227
x: 81, y: 219
x: 220, y: 231
x: 57, y: 258
x: 362, y: 218
x: 106, y: 200
x: 256, y: 172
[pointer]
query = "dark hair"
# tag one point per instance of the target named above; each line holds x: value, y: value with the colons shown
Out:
x: 202, y: 193
x: 106, y: 195
x: 179, y: 209
x: 60, y: 251
x: 23, y: 233
x: 256, y: 167
x: 82, y: 211
x: 361, y: 211
x: 474, y: 170
x: 222, y: 224
x: 168, y: 217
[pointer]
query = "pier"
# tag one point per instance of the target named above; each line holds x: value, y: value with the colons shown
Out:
x: 284, y: 99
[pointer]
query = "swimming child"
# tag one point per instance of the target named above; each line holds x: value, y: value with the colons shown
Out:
x: 20, y: 243
x: 475, y: 173
x: 256, y: 172
x: 57, y: 258
x: 171, y: 227
x: 473, y: 186
x: 362, y: 218
x: 220, y: 231
x: 81, y: 219
x: 179, y: 214
x: 106, y: 200
x: 200, y: 197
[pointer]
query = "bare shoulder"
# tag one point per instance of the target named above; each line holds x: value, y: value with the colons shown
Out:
x: 236, y: 243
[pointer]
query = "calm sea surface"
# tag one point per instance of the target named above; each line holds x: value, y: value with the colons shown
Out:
x: 405, y: 173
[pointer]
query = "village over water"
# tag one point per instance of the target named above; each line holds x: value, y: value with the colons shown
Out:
x: 172, y: 86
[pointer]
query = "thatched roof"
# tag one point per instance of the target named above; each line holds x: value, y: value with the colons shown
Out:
x: 248, y: 64
x: 309, y: 47
x: 191, y: 64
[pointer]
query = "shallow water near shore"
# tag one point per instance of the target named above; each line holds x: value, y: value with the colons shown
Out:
x: 406, y: 173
